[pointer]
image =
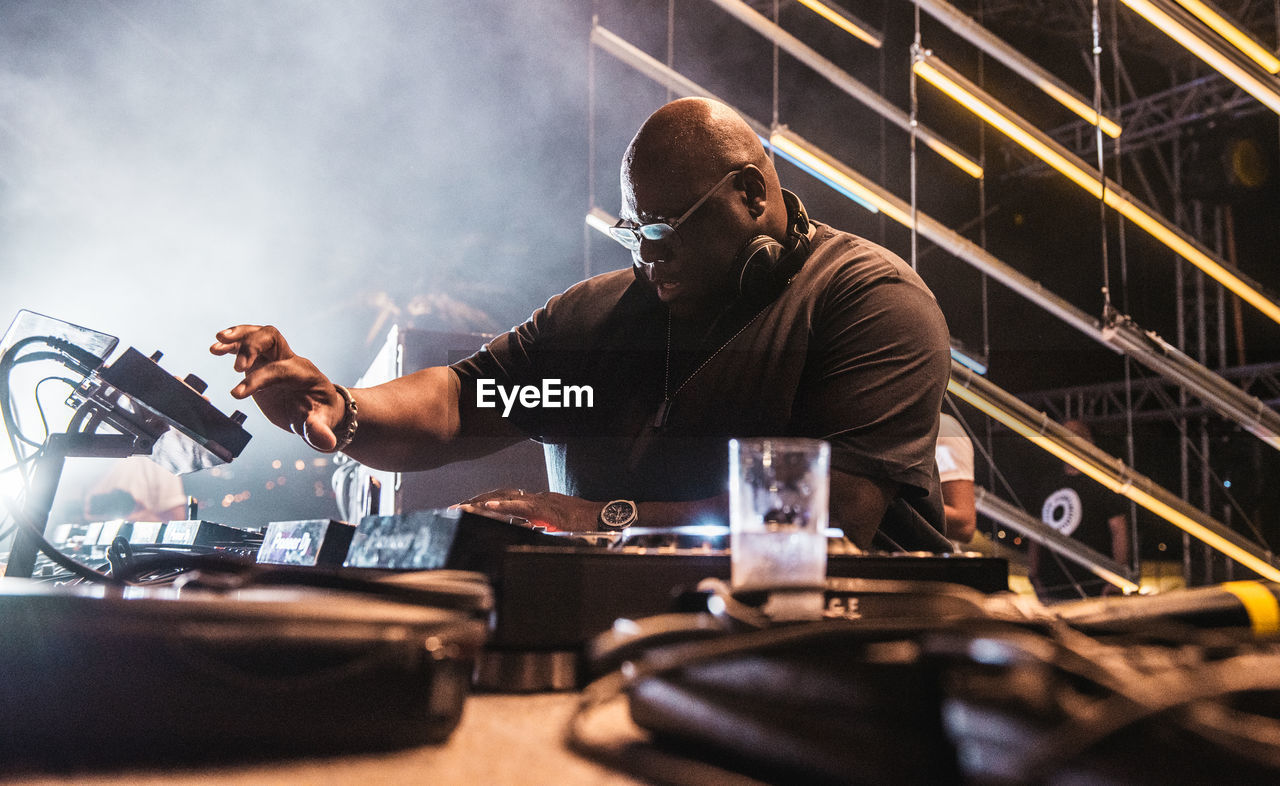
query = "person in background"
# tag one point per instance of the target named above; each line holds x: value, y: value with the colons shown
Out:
x: 954, y: 455
x: 137, y: 489
x: 1079, y: 507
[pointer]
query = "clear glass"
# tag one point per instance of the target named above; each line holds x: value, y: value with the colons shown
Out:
x: 778, y: 512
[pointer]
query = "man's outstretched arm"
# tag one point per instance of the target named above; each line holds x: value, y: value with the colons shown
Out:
x: 409, y: 423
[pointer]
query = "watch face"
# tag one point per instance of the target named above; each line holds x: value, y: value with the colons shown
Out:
x: 618, y: 514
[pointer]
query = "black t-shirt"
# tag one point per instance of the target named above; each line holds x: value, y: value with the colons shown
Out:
x: 854, y: 350
x: 1078, y: 507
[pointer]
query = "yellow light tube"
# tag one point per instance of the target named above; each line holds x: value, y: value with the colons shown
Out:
x: 1238, y: 38
x: 1109, y: 479
x: 969, y: 98
x: 836, y: 173
x: 1267, y: 94
x: 1008, y: 514
x: 969, y: 29
x: 845, y: 22
x: 1188, y: 251
x: 1100, y: 565
x: 837, y: 76
x: 979, y: 103
x: 958, y: 159
x: 1109, y: 127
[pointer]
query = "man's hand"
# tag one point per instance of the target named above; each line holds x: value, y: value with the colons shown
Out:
x: 289, y: 389
x: 542, y: 508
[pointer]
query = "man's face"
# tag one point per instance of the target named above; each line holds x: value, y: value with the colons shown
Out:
x: 690, y: 269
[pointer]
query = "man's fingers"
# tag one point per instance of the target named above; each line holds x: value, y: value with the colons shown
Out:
x: 511, y: 507
x: 520, y: 508
x: 251, y: 344
x: 318, y: 434
x: 289, y: 390
x: 228, y: 340
x: 236, y: 332
x: 246, y: 355
x: 264, y: 377
x: 495, y: 494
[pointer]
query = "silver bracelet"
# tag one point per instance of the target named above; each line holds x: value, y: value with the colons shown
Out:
x: 346, y: 428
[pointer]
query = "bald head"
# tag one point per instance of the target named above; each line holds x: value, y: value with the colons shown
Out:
x: 695, y: 162
x: 695, y: 140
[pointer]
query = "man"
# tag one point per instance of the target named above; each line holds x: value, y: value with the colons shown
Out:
x: 1081, y: 508
x: 137, y: 489
x: 740, y: 318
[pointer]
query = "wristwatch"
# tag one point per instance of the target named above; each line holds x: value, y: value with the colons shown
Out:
x: 618, y: 515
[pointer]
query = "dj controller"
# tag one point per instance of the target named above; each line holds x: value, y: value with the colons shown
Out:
x: 552, y: 592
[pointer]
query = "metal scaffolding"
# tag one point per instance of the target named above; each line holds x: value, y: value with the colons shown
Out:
x: 1197, y: 382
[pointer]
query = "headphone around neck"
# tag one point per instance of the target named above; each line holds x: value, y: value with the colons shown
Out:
x: 765, y: 265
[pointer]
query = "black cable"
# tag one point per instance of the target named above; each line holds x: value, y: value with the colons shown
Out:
x: 20, y: 460
x: 154, y: 564
x: 20, y: 463
x: 1136, y: 688
x: 44, y: 421
x: 6, y: 403
x: 77, y: 359
x: 1213, y: 681
x: 64, y: 352
x: 51, y: 551
x: 1217, y: 684
x: 54, y: 553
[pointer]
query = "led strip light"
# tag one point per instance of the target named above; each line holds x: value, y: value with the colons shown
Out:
x: 1169, y: 20
x: 982, y: 38
x: 846, y: 22
x: 1111, y: 472
x: 977, y: 101
x: 841, y: 79
x: 1241, y: 40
